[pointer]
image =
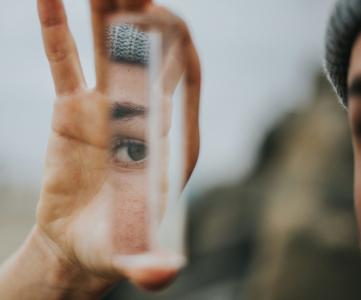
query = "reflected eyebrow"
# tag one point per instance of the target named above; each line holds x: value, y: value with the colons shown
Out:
x: 121, y: 111
x: 355, y: 87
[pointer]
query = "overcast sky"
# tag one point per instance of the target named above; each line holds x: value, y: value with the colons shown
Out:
x: 257, y: 56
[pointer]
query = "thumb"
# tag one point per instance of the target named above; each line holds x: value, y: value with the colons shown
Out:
x: 152, y: 271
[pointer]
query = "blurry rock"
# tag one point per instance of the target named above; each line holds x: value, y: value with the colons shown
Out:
x: 307, y: 245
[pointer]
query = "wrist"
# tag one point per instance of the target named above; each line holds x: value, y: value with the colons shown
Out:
x: 40, y: 268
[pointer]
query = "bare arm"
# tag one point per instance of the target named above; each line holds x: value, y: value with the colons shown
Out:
x: 36, y: 272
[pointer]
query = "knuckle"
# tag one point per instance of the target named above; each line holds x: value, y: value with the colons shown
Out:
x: 57, y: 54
x: 49, y: 22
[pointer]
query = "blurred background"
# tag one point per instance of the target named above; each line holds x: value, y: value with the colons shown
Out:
x: 271, y: 208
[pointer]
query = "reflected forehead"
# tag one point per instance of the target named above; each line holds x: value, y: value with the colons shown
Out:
x: 127, y: 83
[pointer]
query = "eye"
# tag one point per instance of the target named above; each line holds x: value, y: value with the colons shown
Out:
x: 130, y: 153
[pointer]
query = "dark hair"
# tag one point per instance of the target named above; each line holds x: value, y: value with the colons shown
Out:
x: 343, y: 29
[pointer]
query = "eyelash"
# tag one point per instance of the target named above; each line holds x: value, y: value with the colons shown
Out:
x: 121, y: 142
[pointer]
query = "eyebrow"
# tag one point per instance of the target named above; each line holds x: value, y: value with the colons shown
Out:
x: 123, y: 111
x: 355, y: 87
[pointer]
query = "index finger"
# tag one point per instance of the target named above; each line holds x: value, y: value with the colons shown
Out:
x: 60, y: 47
x: 100, y: 9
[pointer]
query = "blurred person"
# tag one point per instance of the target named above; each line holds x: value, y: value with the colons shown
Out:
x: 343, y: 67
x: 91, y: 211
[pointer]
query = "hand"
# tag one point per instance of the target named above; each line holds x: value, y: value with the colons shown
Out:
x: 85, y: 222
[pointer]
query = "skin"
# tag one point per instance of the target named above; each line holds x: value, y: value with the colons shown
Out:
x: 126, y: 86
x: 89, y: 200
x: 354, y: 117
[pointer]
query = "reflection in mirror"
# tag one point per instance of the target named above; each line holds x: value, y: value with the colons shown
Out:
x: 146, y: 166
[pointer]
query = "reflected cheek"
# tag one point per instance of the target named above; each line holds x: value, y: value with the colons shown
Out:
x: 128, y: 211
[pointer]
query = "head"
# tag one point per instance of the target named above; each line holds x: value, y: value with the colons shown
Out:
x: 343, y: 67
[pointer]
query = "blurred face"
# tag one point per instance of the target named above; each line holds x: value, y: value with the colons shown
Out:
x: 354, y: 114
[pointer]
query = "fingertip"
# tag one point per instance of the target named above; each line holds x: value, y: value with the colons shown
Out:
x: 150, y: 272
x: 51, y: 13
x: 133, y: 4
x: 153, y: 280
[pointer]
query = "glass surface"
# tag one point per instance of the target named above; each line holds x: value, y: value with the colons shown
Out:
x: 142, y: 80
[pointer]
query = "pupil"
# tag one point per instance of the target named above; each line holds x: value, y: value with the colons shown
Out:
x: 137, y: 152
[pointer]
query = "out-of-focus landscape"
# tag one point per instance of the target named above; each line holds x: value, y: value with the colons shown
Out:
x: 271, y: 207
x: 285, y: 232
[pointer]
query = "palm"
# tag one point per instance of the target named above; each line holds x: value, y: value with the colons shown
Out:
x: 75, y: 167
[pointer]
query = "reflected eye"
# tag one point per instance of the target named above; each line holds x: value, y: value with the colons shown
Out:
x: 130, y: 153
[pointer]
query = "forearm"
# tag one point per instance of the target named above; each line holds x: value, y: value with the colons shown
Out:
x: 36, y: 272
